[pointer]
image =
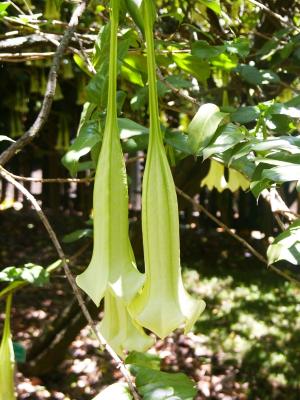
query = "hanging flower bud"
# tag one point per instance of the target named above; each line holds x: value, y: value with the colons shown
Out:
x: 163, y: 304
x: 118, y: 328
x: 112, y: 261
x: 7, y: 358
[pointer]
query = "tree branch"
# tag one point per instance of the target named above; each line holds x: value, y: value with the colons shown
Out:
x: 50, y: 90
x: 70, y: 278
x: 248, y: 246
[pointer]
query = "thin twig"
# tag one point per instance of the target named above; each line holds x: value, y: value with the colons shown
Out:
x: 65, y: 180
x: 252, y: 250
x: 85, y: 56
x: 278, y: 205
x: 177, y: 91
x: 50, y: 90
x: 70, y: 278
x: 275, y: 15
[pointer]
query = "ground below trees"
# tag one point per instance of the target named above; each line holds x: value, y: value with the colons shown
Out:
x: 245, y: 345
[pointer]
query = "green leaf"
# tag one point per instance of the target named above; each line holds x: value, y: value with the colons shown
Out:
x: 193, y: 65
x: 202, y: 49
x: 134, y: 136
x: 255, y: 76
x: 258, y: 183
x: 134, y: 9
x: 286, y: 246
x: 31, y: 273
x: 157, y: 385
x: 250, y: 74
x: 3, y: 7
x: 245, y: 114
x: 20, y: 352
x: 178, y: 141
x: 143, y: 360
x: 179, y: 82
x: 117, y: 391
x: 214, y: 5
x: 225, y: 138
x: 203, y: 126
x: 129, y: 128
x: 88, y: 137
x: 282, y: 174
x: 77, y: 235
x: 239, y: 46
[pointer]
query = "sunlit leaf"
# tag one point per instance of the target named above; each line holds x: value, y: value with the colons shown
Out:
x: 117, y: 391
x: 204, y: 125
x: 225, y: 138
x: 286, y: 246
x: 31, y: 273
x: 214, y: 5
x: 157, y: 385
x: 77, y: 235
x: 193, y: 65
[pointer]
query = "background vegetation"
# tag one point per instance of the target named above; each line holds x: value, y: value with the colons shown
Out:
x: 243, y: 56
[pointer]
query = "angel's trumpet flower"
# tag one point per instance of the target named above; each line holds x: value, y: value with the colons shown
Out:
x: 118, y: 328
x: 215, y: 177
x: 112, y: 261
x: 163, y: 304
x: 237, y: 181
x: 7, y: 358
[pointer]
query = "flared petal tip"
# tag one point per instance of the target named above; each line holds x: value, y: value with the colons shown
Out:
x: 90, y: 287
x: 197, y: 310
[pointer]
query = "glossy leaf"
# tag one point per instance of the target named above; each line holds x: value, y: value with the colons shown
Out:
x: 88, y: 137
x: 226, y: 137
x: 157, y: 385
x: 117, y: 391
x: 202, y: 49
x: 31, y: 273
x: 282, y: 174
x: 286, y: 246
x: 245, y: 114
x: 193, y: 65
x: 214, y: 5
x: 77, y: 235
x: 137, y: 359
x: 203, y: 126
x: 134, y: 9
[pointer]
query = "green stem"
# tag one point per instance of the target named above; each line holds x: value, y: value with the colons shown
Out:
x: 113, y: 54
x: 6, y: 329
x: 151, y: 64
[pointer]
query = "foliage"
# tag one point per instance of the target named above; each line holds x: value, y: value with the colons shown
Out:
x: 244, y: 76
x: 30, y: 273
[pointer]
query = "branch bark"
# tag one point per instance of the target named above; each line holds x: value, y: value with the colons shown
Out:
x: 43, y: 115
